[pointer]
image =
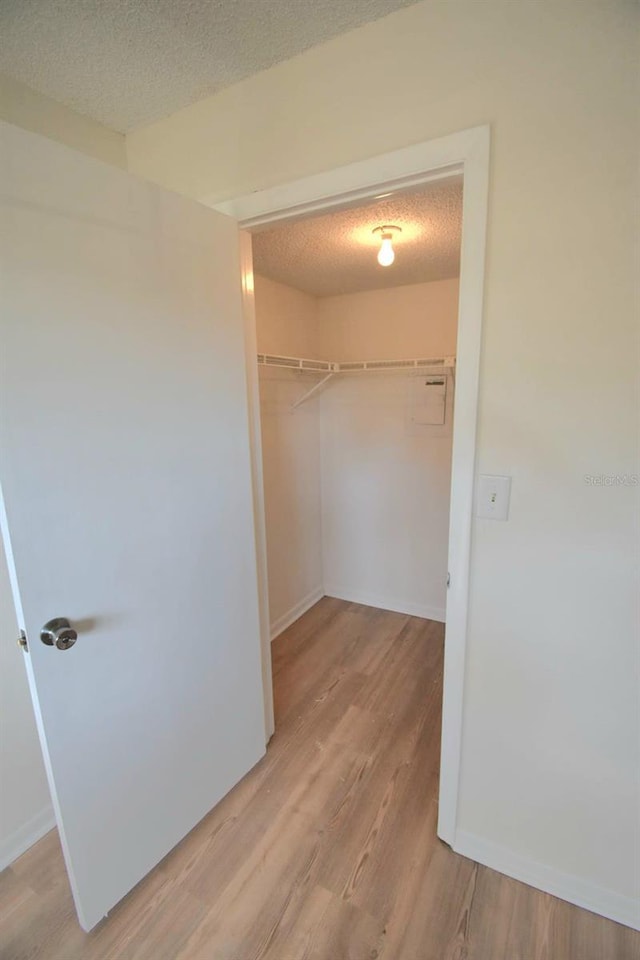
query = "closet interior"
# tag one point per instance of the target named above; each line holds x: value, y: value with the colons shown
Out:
x: 356, y: 369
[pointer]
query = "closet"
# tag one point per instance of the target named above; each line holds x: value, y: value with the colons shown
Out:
x: 357, y: 397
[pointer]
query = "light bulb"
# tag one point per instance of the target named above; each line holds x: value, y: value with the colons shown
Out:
x: 386, y: 256
x: 385, y: 233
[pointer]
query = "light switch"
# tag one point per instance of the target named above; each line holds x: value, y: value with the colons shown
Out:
x: 493, y: 497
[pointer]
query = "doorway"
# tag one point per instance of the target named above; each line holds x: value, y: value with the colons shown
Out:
x: 466, y: 154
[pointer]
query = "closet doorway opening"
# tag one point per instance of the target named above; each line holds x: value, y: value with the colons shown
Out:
x: 356, y: 365
x: 402, y: 172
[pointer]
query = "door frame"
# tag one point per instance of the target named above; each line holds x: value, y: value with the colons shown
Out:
x: 465, y: 152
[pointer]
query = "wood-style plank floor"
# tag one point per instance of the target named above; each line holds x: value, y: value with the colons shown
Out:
x: 327, y: 850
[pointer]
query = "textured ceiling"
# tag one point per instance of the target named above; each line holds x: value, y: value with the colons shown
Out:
x: 336, y: 253
x: 129, y: 62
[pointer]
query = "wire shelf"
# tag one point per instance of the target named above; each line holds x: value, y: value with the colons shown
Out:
x: 353, y: 366
x: 331, y: 368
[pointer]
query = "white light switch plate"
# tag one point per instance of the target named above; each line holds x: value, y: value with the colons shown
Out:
x: 494, y: 494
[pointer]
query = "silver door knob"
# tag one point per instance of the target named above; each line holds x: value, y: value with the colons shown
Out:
x: 58, y: 633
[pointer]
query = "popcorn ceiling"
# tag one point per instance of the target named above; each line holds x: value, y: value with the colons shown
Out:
x: 126, y: 63
x: 336, y: 253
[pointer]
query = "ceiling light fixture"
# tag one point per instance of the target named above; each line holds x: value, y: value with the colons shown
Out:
x: 386, y: 255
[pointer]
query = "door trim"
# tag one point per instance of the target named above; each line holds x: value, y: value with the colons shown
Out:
x: 257, y: 480
x: 466, y: 152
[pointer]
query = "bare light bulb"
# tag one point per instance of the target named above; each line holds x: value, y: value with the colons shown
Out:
x: 385, y: 233
x: 386, y: 256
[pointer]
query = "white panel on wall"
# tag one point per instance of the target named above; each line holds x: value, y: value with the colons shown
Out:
x: 428, y: 401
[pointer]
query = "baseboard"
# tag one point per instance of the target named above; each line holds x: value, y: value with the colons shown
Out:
x: 385, y: 603
x: 582, y: 893
x: 29, y: 833
x: 296, y: 611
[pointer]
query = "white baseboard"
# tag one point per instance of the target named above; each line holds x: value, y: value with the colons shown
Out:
x: 385, y: 603
x: 29, y: 833
x: 296, y: 611
x: 566, y: 886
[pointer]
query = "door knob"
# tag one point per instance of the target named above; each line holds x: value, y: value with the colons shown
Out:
x: 59, y: 633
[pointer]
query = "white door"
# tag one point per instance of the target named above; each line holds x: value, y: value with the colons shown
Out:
x: 126, y: 483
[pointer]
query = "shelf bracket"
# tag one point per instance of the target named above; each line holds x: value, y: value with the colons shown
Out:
x: 309, y: 393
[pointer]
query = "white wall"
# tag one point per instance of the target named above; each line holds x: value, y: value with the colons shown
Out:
x: 419, y: 319
x: 33, y: 111
x: 385, y: 480
x: 550, y: 752
x: 286, y: 322
x: 385, y: 496
x: 25, y: 805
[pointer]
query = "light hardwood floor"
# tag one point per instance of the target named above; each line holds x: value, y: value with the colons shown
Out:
x: 327, y: 850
